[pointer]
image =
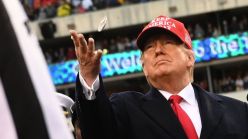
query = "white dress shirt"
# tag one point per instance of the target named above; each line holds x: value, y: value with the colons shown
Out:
x: 189, y: 103
x: 89, y: 92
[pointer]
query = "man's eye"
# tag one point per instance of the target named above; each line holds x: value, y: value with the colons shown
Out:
x: 147, y: 47
x: 168, y: 42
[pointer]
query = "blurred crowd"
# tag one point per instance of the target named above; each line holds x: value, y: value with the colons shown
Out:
x: 230, y: 83
x: 117, y: 44
x: 42, y: 9
x: 126, y: 43
x: 226, y: 26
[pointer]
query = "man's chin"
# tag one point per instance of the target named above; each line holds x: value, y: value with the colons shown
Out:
x: 161, y: 73
x: 162, y: 70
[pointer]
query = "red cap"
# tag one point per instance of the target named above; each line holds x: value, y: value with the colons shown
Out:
x: 164, y: 23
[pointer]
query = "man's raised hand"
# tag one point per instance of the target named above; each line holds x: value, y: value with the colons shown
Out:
x: 88, y: 58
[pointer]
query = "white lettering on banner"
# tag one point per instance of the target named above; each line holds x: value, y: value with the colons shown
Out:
x: 112, y: 64
x: 245, y: 39
x: 233, y: 46
x: 212, y: 46
x: 223, y: 48
x: 126, y: 63
x: 120, y: 64
x: 199, y: 51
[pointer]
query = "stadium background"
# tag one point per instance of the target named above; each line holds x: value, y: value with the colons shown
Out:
x: 219, y: 30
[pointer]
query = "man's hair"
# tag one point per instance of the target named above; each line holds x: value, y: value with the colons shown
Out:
x: 191, y: 70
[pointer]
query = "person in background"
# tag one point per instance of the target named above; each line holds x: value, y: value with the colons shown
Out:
x: 64, y: 8
x: 173, y: 108
x: 239, y: 83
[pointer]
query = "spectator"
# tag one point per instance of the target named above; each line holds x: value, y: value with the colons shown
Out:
x: 48, y: 56
x: 56, y: 56
x: 112, y: 46
x: 79, y: 9
x: 75, y: 3
x: 234, y: 25
x: 216, y: 32
x: 127, y: 43
x: 199, y: 32
x: 246, y: 80
x: 224, y: 85
x: 230, y: 84
x: 70, y: 54
x: 120, y: 44
x: 48, y: 2
x: 42, y: 13
x: 99, y: 4
x: 239, y: 83
x: 61, y: 54
x: 191, y: 34
x: 217, y: 85
x: 88, y: 5
x: 50, y: 10
x: 98, y: 45
x: 64, y: 8
x: 112, y: 3
x: 225, y: 27
x: 133, y: 43
x: 105, y: 44
x: 121, y: 2
x: 243, y: 24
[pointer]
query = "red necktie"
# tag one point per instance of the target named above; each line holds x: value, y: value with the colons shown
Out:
x: 184, y: 119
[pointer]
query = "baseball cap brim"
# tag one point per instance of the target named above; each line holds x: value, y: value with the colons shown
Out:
x: 146, y: 34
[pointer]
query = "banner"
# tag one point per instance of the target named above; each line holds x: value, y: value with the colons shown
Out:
x: 128, y: 62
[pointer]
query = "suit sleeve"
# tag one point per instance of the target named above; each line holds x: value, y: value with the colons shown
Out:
x: 246, y: 109
x: 96, y: 116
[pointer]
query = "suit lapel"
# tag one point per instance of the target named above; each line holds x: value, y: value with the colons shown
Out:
x: 210, y: 110
x: 160, y: 111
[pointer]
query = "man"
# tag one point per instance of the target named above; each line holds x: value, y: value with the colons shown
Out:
x: 174, y: 108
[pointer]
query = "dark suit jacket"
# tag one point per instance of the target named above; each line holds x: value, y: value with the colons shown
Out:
x: 134, y: 115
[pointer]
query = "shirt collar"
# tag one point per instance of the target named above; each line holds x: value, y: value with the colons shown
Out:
x: 187, y: 94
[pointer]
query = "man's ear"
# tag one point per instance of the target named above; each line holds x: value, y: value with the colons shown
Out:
x: 142, y: 63
x: 144, y: 70
x: 191, y: 58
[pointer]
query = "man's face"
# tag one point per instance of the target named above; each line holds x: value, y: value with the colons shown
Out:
x: 165, y: 55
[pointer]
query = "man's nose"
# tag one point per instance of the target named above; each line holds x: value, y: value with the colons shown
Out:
x: 158, y: 47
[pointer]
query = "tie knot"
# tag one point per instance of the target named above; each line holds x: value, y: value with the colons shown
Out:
x: 176, y: 99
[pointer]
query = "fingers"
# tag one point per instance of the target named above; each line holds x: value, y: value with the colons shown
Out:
x: 84, y: 50
x: 83, y: 47
x: 79, y: 42
x: 98, y: 54
x: 91, y: 46
x: 74, y: 37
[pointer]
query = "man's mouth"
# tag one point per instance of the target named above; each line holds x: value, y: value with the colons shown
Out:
x: 161, y: 62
